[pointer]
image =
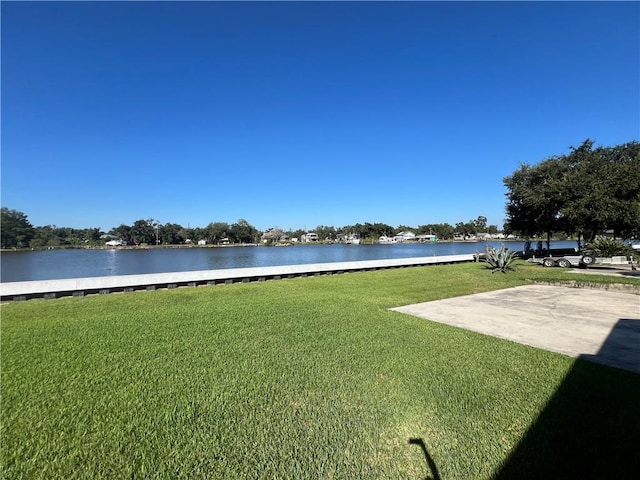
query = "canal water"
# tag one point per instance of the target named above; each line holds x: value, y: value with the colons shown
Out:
x: 55, y: 264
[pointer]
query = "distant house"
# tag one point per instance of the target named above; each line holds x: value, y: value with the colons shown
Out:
x: 274, y: 235
x: 471, y: 238
x: 405, y: 237
x: 426, y: 238
x: 309, y: 237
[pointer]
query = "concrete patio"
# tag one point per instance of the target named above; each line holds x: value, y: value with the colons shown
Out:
x: 597, y: 325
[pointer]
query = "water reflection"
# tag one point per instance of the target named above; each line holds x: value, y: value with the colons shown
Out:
x: 112, y: 260
x: 52, y: 264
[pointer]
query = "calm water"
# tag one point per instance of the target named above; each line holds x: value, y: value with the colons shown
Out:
x: 53, y: 264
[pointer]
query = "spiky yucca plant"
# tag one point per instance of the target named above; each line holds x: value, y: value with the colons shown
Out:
x: 500, y: 260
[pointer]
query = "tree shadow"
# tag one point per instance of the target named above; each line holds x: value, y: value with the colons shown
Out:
x: 590, y: 428
x: 631, y: 273
x: 434, y: 475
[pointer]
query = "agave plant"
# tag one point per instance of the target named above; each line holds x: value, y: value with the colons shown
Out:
x: 500, y: 260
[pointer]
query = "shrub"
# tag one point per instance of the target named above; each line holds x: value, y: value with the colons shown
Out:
x: 500, y: 260
x: 606, y: 247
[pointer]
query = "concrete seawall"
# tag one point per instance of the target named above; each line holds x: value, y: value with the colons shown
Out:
x: 79, y: 287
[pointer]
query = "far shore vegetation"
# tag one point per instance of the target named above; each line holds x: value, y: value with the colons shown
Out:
x: 304, y: 378
x: 17, y: 232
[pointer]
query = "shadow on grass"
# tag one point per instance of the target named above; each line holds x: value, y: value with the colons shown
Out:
x: 434, y: 475
x: 631, y: 273
x: 590, y: 428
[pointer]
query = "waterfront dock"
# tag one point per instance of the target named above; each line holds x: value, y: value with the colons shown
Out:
x: 79, y: 287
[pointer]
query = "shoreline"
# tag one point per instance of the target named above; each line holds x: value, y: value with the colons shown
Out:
x: 293, y: 244
x: 81, y: 286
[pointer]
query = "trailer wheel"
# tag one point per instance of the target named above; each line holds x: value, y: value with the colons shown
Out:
x: 548, y: 262
x: 564, y: 263
x: 588, y: 260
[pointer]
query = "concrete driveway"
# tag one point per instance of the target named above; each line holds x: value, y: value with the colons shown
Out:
x: 598, y: 325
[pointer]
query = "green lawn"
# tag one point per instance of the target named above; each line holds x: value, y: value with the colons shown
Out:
x: 302, y: 378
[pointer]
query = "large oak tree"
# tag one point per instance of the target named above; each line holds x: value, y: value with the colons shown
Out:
x: 585, y: 192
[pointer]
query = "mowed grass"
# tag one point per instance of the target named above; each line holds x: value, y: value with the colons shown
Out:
x: 300, y: 378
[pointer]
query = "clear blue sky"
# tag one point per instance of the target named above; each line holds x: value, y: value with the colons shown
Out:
x: 297, y: 114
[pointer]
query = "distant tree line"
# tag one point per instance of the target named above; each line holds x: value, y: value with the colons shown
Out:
x: 17, y: 232
x: 584, y: 193
x: 152, y: 232
x: 373, y: 231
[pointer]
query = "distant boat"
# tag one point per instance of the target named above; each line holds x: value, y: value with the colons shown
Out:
x: 115, y: 243
x: 384, y: 240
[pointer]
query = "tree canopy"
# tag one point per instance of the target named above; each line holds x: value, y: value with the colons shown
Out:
x: 15, y: 229
x: 17, y: 232
x: 585, y: 192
